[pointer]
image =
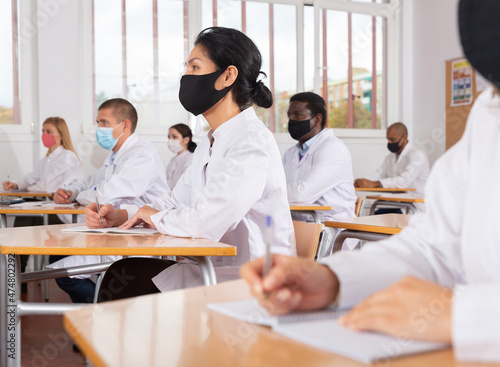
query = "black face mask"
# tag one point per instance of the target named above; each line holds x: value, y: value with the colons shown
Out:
x: 394, y: 147
x: 197, y: 93
x: 298, y: 129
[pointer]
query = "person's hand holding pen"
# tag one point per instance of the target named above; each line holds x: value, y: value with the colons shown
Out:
x: 62, y: 196
x: 292, y: 284
x: 7, y: 185
x: 106, y: 216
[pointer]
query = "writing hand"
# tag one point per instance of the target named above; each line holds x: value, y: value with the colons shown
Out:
x: 62, y: 196
x: 7, y: 185
x: 292, y: 284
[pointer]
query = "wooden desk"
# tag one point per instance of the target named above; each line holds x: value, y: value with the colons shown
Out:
x: 403, y: 201
x: 40, y: 210
x: 384, y: 189
x: 310, y: 209
x: 140, y: 332
x: 41, y: 240
x: 369, y: 228
x: 26, y: 193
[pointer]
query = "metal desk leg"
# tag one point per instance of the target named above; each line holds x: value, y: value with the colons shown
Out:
x: 45, y: 219
x: 206, y: 268
x: 365, y: 236
x: 3, y: 220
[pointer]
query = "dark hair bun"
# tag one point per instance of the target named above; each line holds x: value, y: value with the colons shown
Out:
x: 261, y: 95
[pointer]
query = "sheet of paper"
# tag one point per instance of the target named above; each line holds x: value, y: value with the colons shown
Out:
x: 133, y: 230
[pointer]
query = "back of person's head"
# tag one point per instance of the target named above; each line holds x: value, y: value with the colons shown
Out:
x: 315, y: 103
x: 122, y: 110
x: 186, y: 132
x: 63, y: 130
x: 399, y: 127
x: 227, y: 46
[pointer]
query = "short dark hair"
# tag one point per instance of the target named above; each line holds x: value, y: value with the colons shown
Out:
x: 315, y: 103
x: 227, y: 46
x: 122, y: 110
x: 399, y: 127
x: 185, y: 132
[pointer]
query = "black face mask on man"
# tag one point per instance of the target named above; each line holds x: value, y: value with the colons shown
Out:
x: 298, y: 129
x: 197, y: 93
x: 394, y: 147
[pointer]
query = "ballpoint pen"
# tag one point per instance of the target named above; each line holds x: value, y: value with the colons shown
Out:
x: 268, y: 239
x: 98, y: 205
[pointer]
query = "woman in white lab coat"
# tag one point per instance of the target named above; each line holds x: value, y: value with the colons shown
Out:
x: 180, y: 142
x: 439, y: 279
x: 60, y: 166
x: 236, y: 178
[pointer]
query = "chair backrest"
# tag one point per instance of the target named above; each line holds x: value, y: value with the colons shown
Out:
x: 357, y: 209
x: 307, y: 238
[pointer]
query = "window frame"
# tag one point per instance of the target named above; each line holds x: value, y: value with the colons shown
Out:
x: 26, y: 74
x: 392, y: 79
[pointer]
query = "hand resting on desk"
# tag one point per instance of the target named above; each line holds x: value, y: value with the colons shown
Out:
x: 143, y: 216
x: 62, y: 196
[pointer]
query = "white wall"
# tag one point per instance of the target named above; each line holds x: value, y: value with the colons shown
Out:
x: 429, y: 38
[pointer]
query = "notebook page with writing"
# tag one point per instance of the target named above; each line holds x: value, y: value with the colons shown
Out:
x: 365, y: 347
x: 251, y: 311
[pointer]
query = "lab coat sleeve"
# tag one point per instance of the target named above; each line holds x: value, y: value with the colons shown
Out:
x: 130, y: 180
x: 476, y: 322
x: 413, y: 168
x: 428, y: 248
x: 328, y: 170
x: 30, y: 179
x: 381, y: 172
x: 234, y: 184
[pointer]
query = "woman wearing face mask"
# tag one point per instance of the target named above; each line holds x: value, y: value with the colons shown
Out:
x: 60, y: 166
x: 236, y: 178
x: 180, y: 142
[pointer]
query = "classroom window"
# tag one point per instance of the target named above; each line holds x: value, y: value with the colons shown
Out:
x: 9, y: 64
x: 139, y: 54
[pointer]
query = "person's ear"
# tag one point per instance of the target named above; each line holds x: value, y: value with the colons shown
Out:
x: 319, y: 119
x: 227, y: 78
x: 127, y: 125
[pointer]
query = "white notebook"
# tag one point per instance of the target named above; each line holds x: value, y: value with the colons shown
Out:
x: 133, y: 230
x: 320, y: 329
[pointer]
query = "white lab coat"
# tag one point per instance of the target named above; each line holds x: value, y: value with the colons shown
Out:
x: 323, y: 176
x: 225, y: 195
x: 455, y: 243
x: 53, y: 171
x: 177, y: 166
x: 136, y: 177
x: 409, y: 169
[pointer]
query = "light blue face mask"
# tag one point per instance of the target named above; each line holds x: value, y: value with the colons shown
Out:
x: 104, y: 136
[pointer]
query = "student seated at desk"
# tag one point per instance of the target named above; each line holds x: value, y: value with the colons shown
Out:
x: 235, y: 181
x: 439, y: 279
x: 60, y: 166
x: 318, y: 168
x: 132, y: 174
x: 180, y: 142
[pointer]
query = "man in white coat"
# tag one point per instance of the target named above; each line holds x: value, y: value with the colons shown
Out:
x: 318, y: 168
x: 405, y: 167
x: 132, y: 174
x: 439, y: 279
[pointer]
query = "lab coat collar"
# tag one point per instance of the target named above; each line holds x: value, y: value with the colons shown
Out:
x: 308, y: 144
x: 405, y: 151
x: 228, y: 127
x: 129, y: 143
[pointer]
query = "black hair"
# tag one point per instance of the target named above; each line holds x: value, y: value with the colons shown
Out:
x: 185, y: 131
x: 227, y: 46
x: 122, y: 110
x: 399, y: 127
x: 315, y: 103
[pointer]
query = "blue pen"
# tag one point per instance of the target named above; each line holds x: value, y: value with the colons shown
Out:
x: 268, y: 238
x: 97, y: 203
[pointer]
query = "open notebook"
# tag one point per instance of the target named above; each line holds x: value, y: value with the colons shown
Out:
x: 133, y: 230
x: 320, y: 329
